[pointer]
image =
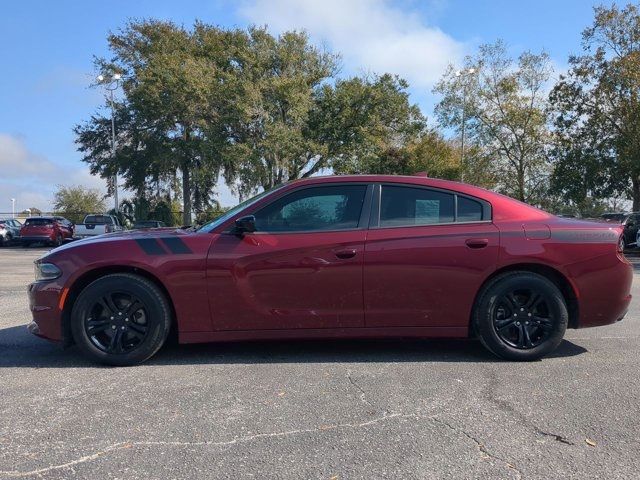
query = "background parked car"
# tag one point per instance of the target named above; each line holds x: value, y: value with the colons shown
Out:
x: 93, y: 225
x: 631, y: 223
x: 50, y: 230
x: 148, y: 224
x: 9, y: 230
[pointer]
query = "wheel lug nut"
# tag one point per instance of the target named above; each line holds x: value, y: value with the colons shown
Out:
x: 518, y: 323
x: 515, y: 314
x: 119, y: 313
x: 121, y: 328
x: 126, y: 319
x: 528, y: 314
x: 113, y: 327
x: 111, y: 318
x: 522, y: 309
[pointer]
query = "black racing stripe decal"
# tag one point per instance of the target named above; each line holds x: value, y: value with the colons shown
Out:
x: 150, y: 246
x: 176, y: 245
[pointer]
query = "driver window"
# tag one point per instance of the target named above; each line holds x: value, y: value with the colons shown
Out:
x: 335, y: 207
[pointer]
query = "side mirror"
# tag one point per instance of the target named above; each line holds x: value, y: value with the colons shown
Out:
x: 245, y: 225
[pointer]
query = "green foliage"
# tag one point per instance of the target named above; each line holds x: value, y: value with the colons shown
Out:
x: 597, y: 112
x: 257, y: 108
x: 504, y: 110
x: 75, y: 202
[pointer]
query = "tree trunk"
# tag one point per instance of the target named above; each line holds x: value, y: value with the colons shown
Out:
x: 635, y: 183
x: 186, y: 195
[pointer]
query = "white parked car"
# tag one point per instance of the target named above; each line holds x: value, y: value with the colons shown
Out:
x: 93, y: 225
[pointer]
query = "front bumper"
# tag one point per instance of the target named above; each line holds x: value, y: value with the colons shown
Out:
x: 44, y: 298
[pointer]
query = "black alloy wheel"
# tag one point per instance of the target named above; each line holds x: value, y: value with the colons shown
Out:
x: 522, y: 318
x: 121, y: 319
x: 117, y: 322
x: 520, y: 315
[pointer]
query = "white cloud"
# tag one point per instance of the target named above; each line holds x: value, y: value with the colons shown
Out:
x: 32, y: 179
x: 372, y: 35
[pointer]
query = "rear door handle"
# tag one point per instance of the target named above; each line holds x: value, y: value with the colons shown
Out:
x: 346, y: 254
x: 477, y: 242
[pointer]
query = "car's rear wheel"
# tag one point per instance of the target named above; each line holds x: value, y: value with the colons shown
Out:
x: 521, y: 316
x: 121, y: 319
x: 58, y: 241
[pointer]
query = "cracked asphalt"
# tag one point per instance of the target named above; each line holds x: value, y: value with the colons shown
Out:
x: 321, y: 409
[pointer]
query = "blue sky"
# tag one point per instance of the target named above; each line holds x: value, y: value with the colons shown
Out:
x: 46, y: 54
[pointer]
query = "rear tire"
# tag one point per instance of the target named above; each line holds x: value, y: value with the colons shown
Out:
x: 58, y: 241
x: 520, y: 316
x: 121, y: 319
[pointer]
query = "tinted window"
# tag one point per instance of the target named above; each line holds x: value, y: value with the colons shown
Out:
x: 99, y: 219
x: 35, y: 222
x: 469, y: 210
x: 312, y: 209
x: 414, y: 206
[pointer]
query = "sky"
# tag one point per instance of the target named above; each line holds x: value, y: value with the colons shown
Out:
x: 47, y: 51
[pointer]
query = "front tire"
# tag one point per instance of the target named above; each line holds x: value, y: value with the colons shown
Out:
x: 520, y: 316
x: 121, y: 319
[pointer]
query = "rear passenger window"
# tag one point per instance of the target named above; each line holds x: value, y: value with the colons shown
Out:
x: 400, y: 206
x: 469, y: 210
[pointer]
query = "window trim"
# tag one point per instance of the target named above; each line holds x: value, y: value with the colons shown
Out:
x: 374, y: 222
x: 363, y: 221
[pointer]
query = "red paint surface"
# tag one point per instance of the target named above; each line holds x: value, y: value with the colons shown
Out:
x: 401, y: 281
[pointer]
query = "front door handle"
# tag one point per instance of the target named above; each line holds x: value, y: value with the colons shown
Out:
x: 346, y: 254
x: 477, y: 242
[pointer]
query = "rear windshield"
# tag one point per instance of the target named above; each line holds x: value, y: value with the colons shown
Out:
x: 99, y: 219
x: 34, y: 222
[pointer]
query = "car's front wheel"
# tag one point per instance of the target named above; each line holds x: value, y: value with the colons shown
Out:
x: 121, y: 319
x: 521, y: 316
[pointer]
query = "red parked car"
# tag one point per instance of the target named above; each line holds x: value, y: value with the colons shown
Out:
x: 50, y: 230
x: 340, y: 256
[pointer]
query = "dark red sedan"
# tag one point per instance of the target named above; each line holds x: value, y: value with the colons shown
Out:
x: 340, y: 256
x: 50, y: 230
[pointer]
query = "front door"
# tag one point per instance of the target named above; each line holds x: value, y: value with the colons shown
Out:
x: 426, y: 258
x: 302, y: 268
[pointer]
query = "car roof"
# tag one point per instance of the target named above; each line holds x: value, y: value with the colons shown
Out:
x: 504, y: 207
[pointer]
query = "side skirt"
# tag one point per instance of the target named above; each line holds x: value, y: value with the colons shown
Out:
x: 395, y: 332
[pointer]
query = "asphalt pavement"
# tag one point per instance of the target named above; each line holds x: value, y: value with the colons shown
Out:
x: 320, y: 409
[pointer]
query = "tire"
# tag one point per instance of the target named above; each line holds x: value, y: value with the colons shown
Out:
x: 58, y: 241
x: 110, y: 328
x: 520, y: 316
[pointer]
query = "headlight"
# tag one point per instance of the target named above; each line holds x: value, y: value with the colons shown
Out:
x: 46, y: 271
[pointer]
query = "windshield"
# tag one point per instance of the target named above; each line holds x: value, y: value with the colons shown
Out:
x: 98, y: 219
x: 207, y: 227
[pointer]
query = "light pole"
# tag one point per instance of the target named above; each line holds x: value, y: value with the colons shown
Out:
x: 13, y: 208
x: 111, y: 84
x: 461, y: 74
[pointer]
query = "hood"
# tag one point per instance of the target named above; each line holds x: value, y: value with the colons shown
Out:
x: 126, y: 235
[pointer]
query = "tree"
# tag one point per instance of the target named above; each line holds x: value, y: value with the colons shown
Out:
x: 504, y: 108
x: 597, y: 112
x: 172, y: 79
x: 76, y: 201
x: 365, y: 125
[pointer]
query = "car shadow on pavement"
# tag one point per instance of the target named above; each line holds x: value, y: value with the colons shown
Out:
x: 18, y: 348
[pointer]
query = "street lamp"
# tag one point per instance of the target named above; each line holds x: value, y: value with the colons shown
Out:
x: 461, y: 74
x: 111, y: 84
x: 13, y: 208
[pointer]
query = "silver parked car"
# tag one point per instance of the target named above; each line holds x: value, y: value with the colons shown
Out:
x: 9, y: 230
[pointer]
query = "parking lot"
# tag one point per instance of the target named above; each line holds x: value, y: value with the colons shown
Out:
x: 332, y: 410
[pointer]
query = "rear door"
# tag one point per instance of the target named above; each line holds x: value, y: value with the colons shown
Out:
x: 301, y: 269
x: 427, y: 253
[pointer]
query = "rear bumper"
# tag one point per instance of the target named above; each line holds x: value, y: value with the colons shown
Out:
x: 37, y: 238
x: 45, y: 310
x: 604, y: 293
